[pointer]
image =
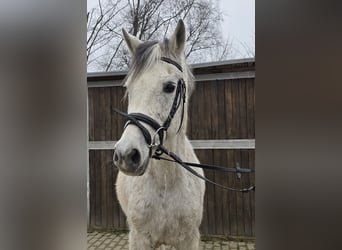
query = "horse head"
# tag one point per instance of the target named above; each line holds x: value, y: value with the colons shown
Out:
x: 153, y: 91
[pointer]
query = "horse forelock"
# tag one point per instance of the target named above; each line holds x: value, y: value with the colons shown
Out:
x: 146, y: 54
x: 150, y: 52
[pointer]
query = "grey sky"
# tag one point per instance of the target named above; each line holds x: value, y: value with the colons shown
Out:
x: 239, y: 22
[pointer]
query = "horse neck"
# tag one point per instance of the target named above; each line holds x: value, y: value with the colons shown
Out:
x: 165, y: 173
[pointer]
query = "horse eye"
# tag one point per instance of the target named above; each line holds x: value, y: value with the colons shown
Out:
x: 169, y: 87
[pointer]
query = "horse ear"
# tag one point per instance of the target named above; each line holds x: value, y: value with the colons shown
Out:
x: 132, y: 41
x: 177, y: 40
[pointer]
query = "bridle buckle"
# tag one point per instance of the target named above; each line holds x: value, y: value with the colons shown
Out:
x: 153, y: 142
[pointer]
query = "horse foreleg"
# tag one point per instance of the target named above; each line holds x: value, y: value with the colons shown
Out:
x: 139, y: 241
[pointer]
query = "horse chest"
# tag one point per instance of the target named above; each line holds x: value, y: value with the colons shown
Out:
x: 163, y: 209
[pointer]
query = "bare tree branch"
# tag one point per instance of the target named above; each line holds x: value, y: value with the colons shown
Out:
x: 153, y: 19
x: 113, y: 56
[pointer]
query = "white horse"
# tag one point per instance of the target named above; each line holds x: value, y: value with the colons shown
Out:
x: 162, y: 201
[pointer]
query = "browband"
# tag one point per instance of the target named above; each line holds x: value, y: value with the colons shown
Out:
x: 168, y: 60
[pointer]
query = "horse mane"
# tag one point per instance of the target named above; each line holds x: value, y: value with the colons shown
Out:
x: 150, y: 52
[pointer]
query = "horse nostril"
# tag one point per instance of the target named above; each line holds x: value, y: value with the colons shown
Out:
x: 117, y: 158
x: 134, y: 156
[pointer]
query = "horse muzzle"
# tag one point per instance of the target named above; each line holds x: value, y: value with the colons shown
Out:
x: 129, y: 161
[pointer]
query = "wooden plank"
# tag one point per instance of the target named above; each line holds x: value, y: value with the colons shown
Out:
x: 229, y: 109
x: 197, y: 112
x: 104, y: 84
x: 220, y: 179
x: 113, y: 104
x: 196, y: 144
x: 232, y: 196
x: 224, y: 76
x: 239, y: 199
x: 224, y: 180
x: 107, y: 114
x: 98, y: 203
x: 105, y: 192
x: 250, y: 108
x: 251, y: 162
x: 91, y: 124
x: 211, y: 196
x: 100, y: 125
x: 221, y: 111
x: 104, y: 188
x: 242, y: 100
x: 246, y: 196
x: 224, y: 143
x: 212, y: 98
x: 96, y: 113
x: 92, y: 190
x: 206, y: 122
x: 102, y: 107
x: 204, y: 225
x: 236, y: 106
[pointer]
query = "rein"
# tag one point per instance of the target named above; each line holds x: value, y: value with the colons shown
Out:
x: 137, y: 118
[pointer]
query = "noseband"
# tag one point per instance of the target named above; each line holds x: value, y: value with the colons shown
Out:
x: 160, y: 130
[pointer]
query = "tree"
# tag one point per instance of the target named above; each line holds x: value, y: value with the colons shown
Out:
x: 249, y: 49
x: 152, y: 20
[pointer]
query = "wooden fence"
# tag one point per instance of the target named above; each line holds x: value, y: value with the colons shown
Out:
x: 221, y: 127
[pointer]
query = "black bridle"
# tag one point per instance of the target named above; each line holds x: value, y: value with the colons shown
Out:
x: 160, y: 130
